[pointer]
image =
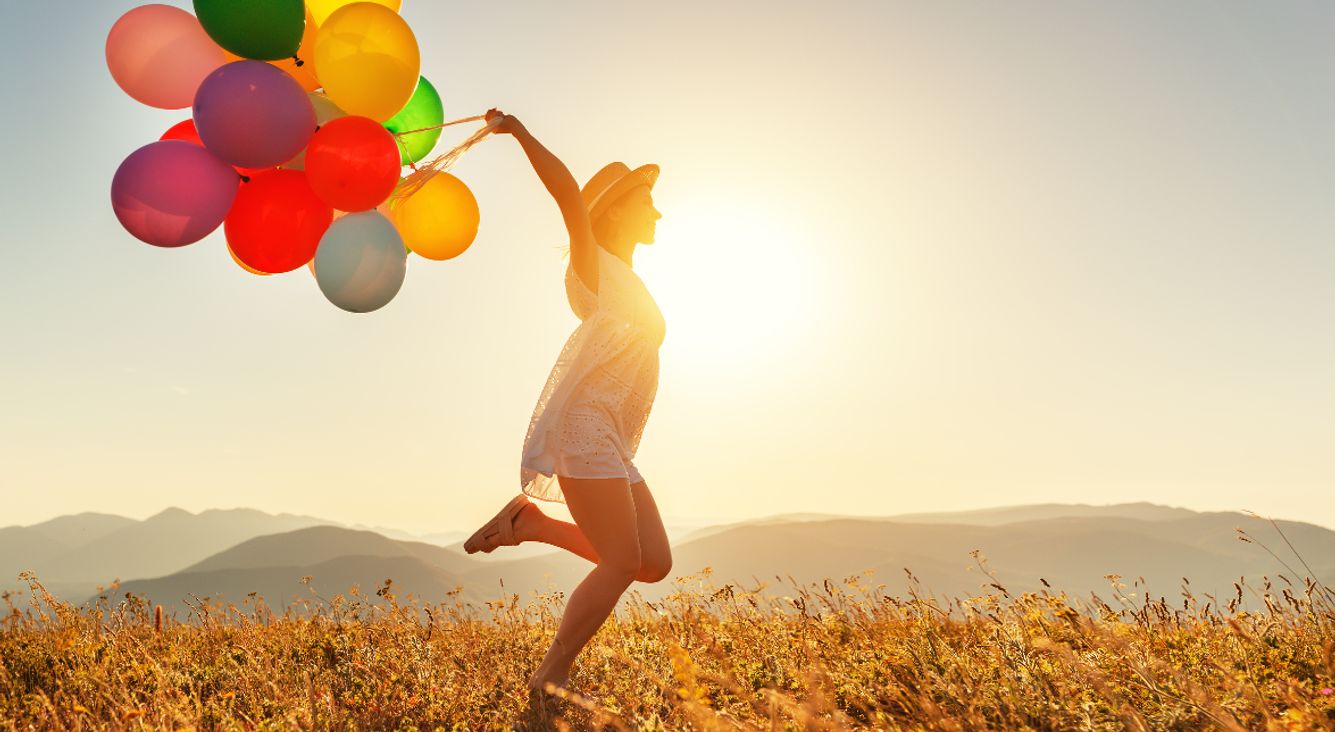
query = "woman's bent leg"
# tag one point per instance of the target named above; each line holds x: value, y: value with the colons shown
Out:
x: 605, y: 512
x: 655, y: 553
x: 564, y: 535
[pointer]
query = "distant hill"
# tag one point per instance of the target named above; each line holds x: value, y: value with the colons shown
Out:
x: 80, y: 528
x: 318, y: 544
x: 161, y: 544
x: 281, y: 585
x: 1073, y: 553
x: 23, y: 548
x: 336, y: 557
x: 1011, y: 514
x: 980, y: 517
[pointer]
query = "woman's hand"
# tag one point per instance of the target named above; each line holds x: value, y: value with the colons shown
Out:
x: 508, y: 124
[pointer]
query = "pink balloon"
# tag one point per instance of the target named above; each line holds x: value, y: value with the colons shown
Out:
x: 171, y: 193
x: 159, y: 54
x: 253, y: 114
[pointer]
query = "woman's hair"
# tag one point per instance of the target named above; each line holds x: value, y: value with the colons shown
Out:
x: 603, y: 227
x: 602, y: 230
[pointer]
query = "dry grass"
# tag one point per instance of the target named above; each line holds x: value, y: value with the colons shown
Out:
x: 839, y: 656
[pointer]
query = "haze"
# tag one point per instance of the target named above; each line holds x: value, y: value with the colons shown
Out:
x: 916, y: 256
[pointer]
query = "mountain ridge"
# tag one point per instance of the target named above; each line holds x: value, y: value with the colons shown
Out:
x: 1074, y: 554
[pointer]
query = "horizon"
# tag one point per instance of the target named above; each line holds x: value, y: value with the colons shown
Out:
x: 692, y: 522
x: 913, y: 258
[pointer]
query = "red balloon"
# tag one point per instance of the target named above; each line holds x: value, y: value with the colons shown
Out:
x: 276, y: 221
x: 353, y: 163
x: 185, y: 130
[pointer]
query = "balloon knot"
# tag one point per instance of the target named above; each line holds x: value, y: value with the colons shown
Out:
x: 298, y: 61
x: 245, y: 179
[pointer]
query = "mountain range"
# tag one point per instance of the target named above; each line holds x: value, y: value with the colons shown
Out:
x: 175, y: 557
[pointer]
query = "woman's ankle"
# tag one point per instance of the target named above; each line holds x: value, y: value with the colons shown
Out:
x: 530, y: 523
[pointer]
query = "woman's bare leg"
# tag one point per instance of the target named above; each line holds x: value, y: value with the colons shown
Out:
x: 605, y: 512
x: 533, y: 525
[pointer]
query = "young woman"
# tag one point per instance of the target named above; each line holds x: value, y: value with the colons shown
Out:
x: 593, y: 408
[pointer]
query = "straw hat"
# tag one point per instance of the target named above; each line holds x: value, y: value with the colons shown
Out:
x: 613, y: 181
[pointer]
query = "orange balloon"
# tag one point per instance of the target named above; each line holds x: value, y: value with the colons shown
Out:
x: 305, y: 73
x: 439, y: 220
x: 243, y: 265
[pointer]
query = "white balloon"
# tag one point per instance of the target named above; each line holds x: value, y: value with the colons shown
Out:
x: 361, y: 262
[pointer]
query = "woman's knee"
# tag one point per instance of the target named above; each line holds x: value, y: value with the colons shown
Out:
x: 654, y: 571
x: 623, y: 565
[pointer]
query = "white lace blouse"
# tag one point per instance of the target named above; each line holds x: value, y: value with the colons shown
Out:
x: 611, y: 357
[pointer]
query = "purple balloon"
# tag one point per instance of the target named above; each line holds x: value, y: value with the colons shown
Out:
x: 253, y: 114
x: 171, y: 193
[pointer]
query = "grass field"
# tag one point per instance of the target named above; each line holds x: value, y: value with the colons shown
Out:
x: 843, y: 655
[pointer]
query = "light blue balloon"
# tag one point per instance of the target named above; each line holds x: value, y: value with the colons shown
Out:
x: 361, y: 262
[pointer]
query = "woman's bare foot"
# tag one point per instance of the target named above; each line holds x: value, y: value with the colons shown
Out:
x: 554, y: 668
x: 528, y: 522
x: 538, y: 681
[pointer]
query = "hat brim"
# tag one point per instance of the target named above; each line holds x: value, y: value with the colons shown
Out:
x: 645, y: 175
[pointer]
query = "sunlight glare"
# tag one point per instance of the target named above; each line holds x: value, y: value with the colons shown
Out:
x: 738, y: 283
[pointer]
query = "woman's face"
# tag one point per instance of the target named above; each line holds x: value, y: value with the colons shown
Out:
x: 637, y: 216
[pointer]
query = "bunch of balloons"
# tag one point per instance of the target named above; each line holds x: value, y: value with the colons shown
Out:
x: 303, y: 115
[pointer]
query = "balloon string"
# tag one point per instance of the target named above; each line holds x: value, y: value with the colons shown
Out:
x: 474, y: 118
x: 420, y: 175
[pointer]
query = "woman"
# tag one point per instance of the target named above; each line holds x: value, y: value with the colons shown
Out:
x: 587, y: 423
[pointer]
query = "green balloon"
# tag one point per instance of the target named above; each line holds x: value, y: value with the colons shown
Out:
x: 266, y: 30
x: 423, y: 110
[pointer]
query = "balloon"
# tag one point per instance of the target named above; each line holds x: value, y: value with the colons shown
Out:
x: 258, y: 29
x: 353, y: 163
x: 243, y: 265
x: 302, y: 66
x: 325, y: 112
x: 423, y: 110
x: 338, y: 215
x: 159, y: 54
x: 368, y: 60
x: 252, y: 114
x: 171, y: 193
x: 439, y: 220
x: 322, y: 9
x: 185, y: 130
x: 277, y: 221
x: 361, y: 263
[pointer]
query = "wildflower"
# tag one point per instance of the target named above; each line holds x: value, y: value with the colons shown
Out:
x: 1327, y: 691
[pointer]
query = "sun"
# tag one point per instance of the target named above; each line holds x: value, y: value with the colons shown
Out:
x: 738, y: 283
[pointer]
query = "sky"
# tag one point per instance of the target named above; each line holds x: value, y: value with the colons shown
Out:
x: 914, y: 256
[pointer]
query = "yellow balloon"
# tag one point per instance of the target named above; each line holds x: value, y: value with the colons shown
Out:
x: 439, y: 220
x: 322, y: 9
x: 368, y: 60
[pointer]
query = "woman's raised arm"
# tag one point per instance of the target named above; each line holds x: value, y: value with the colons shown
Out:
x: 561, y: 184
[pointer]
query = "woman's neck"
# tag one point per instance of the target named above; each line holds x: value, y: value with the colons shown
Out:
x: 623, y: 250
